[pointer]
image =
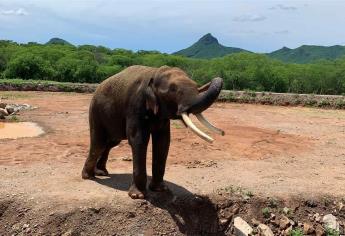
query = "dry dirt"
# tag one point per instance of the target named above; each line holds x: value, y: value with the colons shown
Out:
x: 279, y: 152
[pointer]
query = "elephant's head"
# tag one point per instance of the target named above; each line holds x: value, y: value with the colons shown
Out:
x: 173, y: 94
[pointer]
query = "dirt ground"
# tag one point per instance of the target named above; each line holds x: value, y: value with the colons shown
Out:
x: 270, y: 151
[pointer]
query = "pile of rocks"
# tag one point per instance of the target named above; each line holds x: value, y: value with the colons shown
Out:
x: 326, y: 225
x: 12, y: 109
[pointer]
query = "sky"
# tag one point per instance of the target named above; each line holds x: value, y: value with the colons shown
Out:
x: 171, y: 25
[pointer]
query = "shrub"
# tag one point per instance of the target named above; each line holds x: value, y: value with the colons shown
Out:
x: 29, y: 66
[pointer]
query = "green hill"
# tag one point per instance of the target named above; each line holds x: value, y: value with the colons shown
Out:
x: 58, y: 41
x: 207, y: 47
x: 308, y: 53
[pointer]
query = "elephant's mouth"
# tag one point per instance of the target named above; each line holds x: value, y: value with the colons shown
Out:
x: 207, y: 95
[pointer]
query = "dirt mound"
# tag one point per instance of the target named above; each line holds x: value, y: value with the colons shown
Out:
x: 168, y: 214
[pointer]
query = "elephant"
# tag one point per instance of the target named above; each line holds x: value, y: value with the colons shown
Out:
x: 137, y: 103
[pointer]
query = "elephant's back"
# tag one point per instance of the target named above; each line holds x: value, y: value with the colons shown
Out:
x: 108, y: 105
x: 117, y: 86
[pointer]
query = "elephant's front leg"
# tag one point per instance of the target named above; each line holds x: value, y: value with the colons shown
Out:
x: 138, y: 137
x: 160, y: 149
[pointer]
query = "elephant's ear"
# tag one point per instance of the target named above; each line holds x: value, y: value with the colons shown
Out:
x: 151, y: 101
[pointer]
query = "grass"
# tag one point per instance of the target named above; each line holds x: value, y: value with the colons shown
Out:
x: 13, y: 95
x: 296, y: 232
x: 266, y: 212
x: 273, y: 203
x: 332, y: 232
x: 14, y: 118
x: 177, y: 124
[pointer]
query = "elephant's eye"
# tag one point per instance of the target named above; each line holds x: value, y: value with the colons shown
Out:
x: 173, y: 88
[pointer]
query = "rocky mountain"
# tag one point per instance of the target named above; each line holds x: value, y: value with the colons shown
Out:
x: 208, y: 47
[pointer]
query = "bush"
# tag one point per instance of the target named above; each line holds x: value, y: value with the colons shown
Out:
x: 28, y: 66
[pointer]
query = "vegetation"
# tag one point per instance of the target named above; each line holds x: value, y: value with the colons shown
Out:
x: 296, y: 232
x: 240, y: 71
x: 207, y: 47
x: 266, y: 212
x: 308, y: 53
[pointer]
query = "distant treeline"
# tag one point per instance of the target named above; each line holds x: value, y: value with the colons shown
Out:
x: 240, y: 71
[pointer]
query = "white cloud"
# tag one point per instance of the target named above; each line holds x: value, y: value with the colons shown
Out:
x: 247, y: 17
x: 283, y: 7
x: 14, y: 12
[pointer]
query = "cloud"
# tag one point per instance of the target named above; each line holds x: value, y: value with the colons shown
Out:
x: 14, y: 12
x: 283, y: 7
x: 249, y: 18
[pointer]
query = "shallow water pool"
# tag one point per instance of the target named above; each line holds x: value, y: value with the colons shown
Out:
x: 19, y: 130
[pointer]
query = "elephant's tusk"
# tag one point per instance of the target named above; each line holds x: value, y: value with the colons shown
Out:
x: 206, y: 123
x: 197, y: 131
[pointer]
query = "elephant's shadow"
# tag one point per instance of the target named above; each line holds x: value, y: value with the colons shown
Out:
x: 193, y: 214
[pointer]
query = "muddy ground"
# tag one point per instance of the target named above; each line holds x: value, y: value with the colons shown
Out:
x: 292, y: 154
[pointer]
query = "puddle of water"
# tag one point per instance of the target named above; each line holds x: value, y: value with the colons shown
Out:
x: 19, y: 130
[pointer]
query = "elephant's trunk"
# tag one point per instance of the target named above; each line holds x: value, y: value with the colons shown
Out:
x: 205, y: 98
x: 208, y: 94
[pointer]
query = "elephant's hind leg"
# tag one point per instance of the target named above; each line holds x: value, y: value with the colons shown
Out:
x: 101, y: 168
x: 90, y: 164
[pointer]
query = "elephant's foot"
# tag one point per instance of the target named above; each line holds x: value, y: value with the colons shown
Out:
x: 158, y: 187
x: 87, y: 174
x: 101, y: 172
x: 135, y: 193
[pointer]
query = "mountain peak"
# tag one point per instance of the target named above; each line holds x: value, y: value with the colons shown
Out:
x: 207, y: 47
x: 208, y: 39
x: 58, y: 41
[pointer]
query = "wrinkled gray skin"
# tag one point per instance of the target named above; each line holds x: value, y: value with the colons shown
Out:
x: 135, y: 104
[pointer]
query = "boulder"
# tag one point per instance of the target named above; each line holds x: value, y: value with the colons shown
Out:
x: 9, y: 109
x: 320, y: 231
x: 241, y: 227
x: 330, y: 221
x: 308, y: 229
x: 3, y: 113
x: 284, y: 222
x: 264, y: 230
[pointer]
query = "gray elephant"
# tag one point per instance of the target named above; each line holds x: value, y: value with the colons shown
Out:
x: 139, y: 102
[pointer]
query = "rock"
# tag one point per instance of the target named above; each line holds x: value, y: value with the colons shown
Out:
x: 286, y: 210
x: 330, y: 221
x: 311, y: 203
x: 284, y: 222
x: 95, y: 209
x: 223, y: 221
x: 317, y: 217
x: 25, y: 226
x: 292, y: 223
x: 255, y: 222
x: 287, y: 232
x: 241, y: 227
x: 319, y: 231
x: 68, y: 233
x: 308, y: 229
x: 3, y: 105
x: 341, y: 206
x: 272, y: 216
x: 3, y: 113
x: 9, y: 109
x: 264, y: 230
